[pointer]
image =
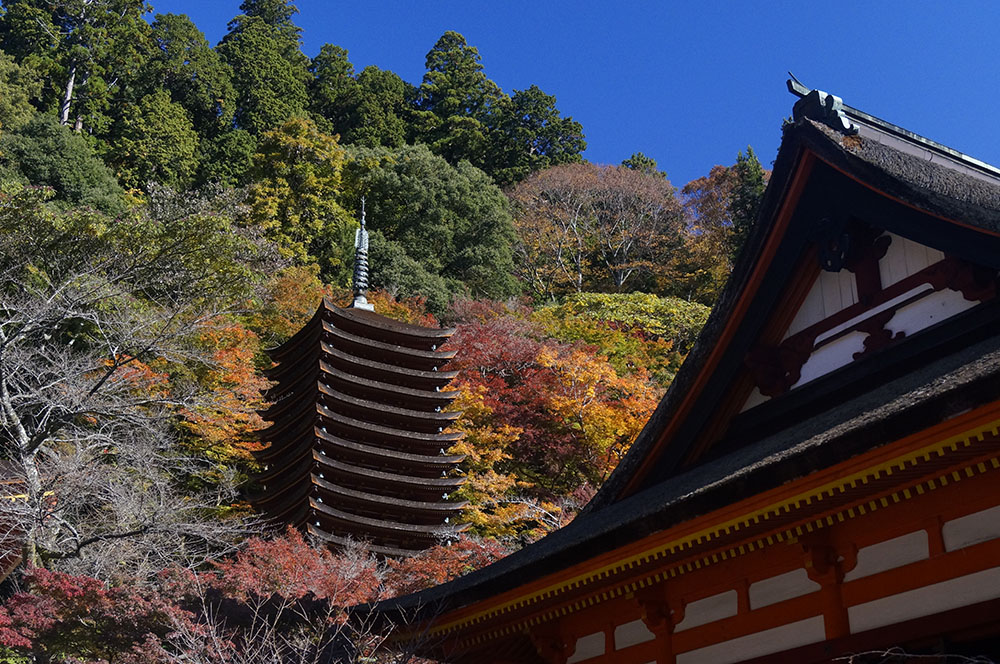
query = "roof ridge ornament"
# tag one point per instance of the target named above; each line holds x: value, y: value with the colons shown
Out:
x: 820, y: 106
x: 361, y: 265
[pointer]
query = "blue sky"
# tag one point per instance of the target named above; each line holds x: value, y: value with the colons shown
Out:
x: 689, y: 84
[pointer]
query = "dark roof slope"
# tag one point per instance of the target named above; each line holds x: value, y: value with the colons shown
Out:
x: 934, y: 181
x: 954, y: 383
x: 881, y: 156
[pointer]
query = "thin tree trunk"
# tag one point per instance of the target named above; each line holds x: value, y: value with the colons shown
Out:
x: 67, y: 97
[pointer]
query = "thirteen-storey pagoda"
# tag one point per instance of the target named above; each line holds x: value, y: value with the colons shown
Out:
x: 358, y: 447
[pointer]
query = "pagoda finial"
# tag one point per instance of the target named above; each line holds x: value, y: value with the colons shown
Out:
x: 361, y: 264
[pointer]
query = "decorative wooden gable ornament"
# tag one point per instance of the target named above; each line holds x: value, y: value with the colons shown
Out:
x: 823, y: 477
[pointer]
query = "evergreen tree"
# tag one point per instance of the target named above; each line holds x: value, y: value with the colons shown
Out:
x: 155, y: 142
x: 528, y: 134
x: 746, y: 196
x: 456, y: 100
x: 380, y: 116
x: 86, y: 51
x: 19, y: 87
x: 640, y: 162
x: 48, y: 154
x: 452, y: 220
x: 269, y: 71
x: 185, y: 64
x: 333, y: 92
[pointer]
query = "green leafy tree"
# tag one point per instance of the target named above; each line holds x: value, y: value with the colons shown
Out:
x: 452, y: 220
x: 748, y: 191
x: 528, y: 134
x: 635, y: 331
x: 456, y: 100
x: 297, y: 182
x: 85, y: 50
x: 49, y: 154
x: 155, y: 142
x: 333, y: 92
x: 382, y: 110
x: 640, y: 162
x: 228, y: 159
x: 269, y: 72
x: 19, y: 87
x: 184, y: 63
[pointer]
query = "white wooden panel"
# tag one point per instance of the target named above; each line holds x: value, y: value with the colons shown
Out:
x: 890, y: 554
x: 781, y: 587
x: 832, y: 300
x: 767, y: 642
x: 929, y: 310
x: 632, y: 633
x: 971, y: 529
x: 935, y: 598
x: 832, y: 356
x: 810, y: 312
x: 588, y: 646
x: 905, y: 257
x: 708, y: 610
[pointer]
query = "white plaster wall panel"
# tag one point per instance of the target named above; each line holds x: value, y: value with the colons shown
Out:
x: 903, y: 258
x: 831, y: 356
x: 971, y: 529
x: 588, y: 646
x: 865, y: 315
x: 830, y: 293
x: 708, y: 610
x: 838, y: 291
x: 632, y: 633
x: 929, y: 310
x: 890, y: 554
x: 810, y: 312
x: 935, y: 598
x: 767, y: 642
x: 781, y: 587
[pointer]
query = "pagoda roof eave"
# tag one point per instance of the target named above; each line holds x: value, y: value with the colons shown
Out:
x: 448, y: 460
x: 436, y: 483
x: 415, y: 437
x: 432, y: 417
x: 318, y: 532
x: 434, y: 377
x: 403, y: 393
x: 430, y: 356
x: 381, y: 324
x: 393, y: 527
x: 375, y: 499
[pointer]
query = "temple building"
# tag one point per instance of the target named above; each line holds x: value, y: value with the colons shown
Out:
x: 822, y: 479
x: 357, y: 442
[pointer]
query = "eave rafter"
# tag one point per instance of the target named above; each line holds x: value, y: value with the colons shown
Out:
x: 890, y: 475
x: 358, y: 440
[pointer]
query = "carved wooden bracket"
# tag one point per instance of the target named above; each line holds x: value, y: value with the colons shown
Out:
x: 551, y: 644
x: 659, y: 615
x: 776, y: 368
x: 878, y: 336
x: 826, y: 564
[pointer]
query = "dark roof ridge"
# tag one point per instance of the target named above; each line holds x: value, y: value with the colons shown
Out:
x: 768, y: 462
x: 800, y: 90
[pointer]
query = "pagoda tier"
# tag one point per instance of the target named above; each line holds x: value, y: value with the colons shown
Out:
x: 357, y: 441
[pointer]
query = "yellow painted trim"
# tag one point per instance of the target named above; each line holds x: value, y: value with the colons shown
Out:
x: 923, y: 454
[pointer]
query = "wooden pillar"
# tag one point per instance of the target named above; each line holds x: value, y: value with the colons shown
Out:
x: 552, y: 644
x: 827, y: 565
x: 660, y: 616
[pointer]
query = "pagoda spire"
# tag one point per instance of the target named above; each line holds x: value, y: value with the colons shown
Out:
x: 361, y: 265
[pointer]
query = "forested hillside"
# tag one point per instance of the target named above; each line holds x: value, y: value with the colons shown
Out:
x: 170, y: 208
